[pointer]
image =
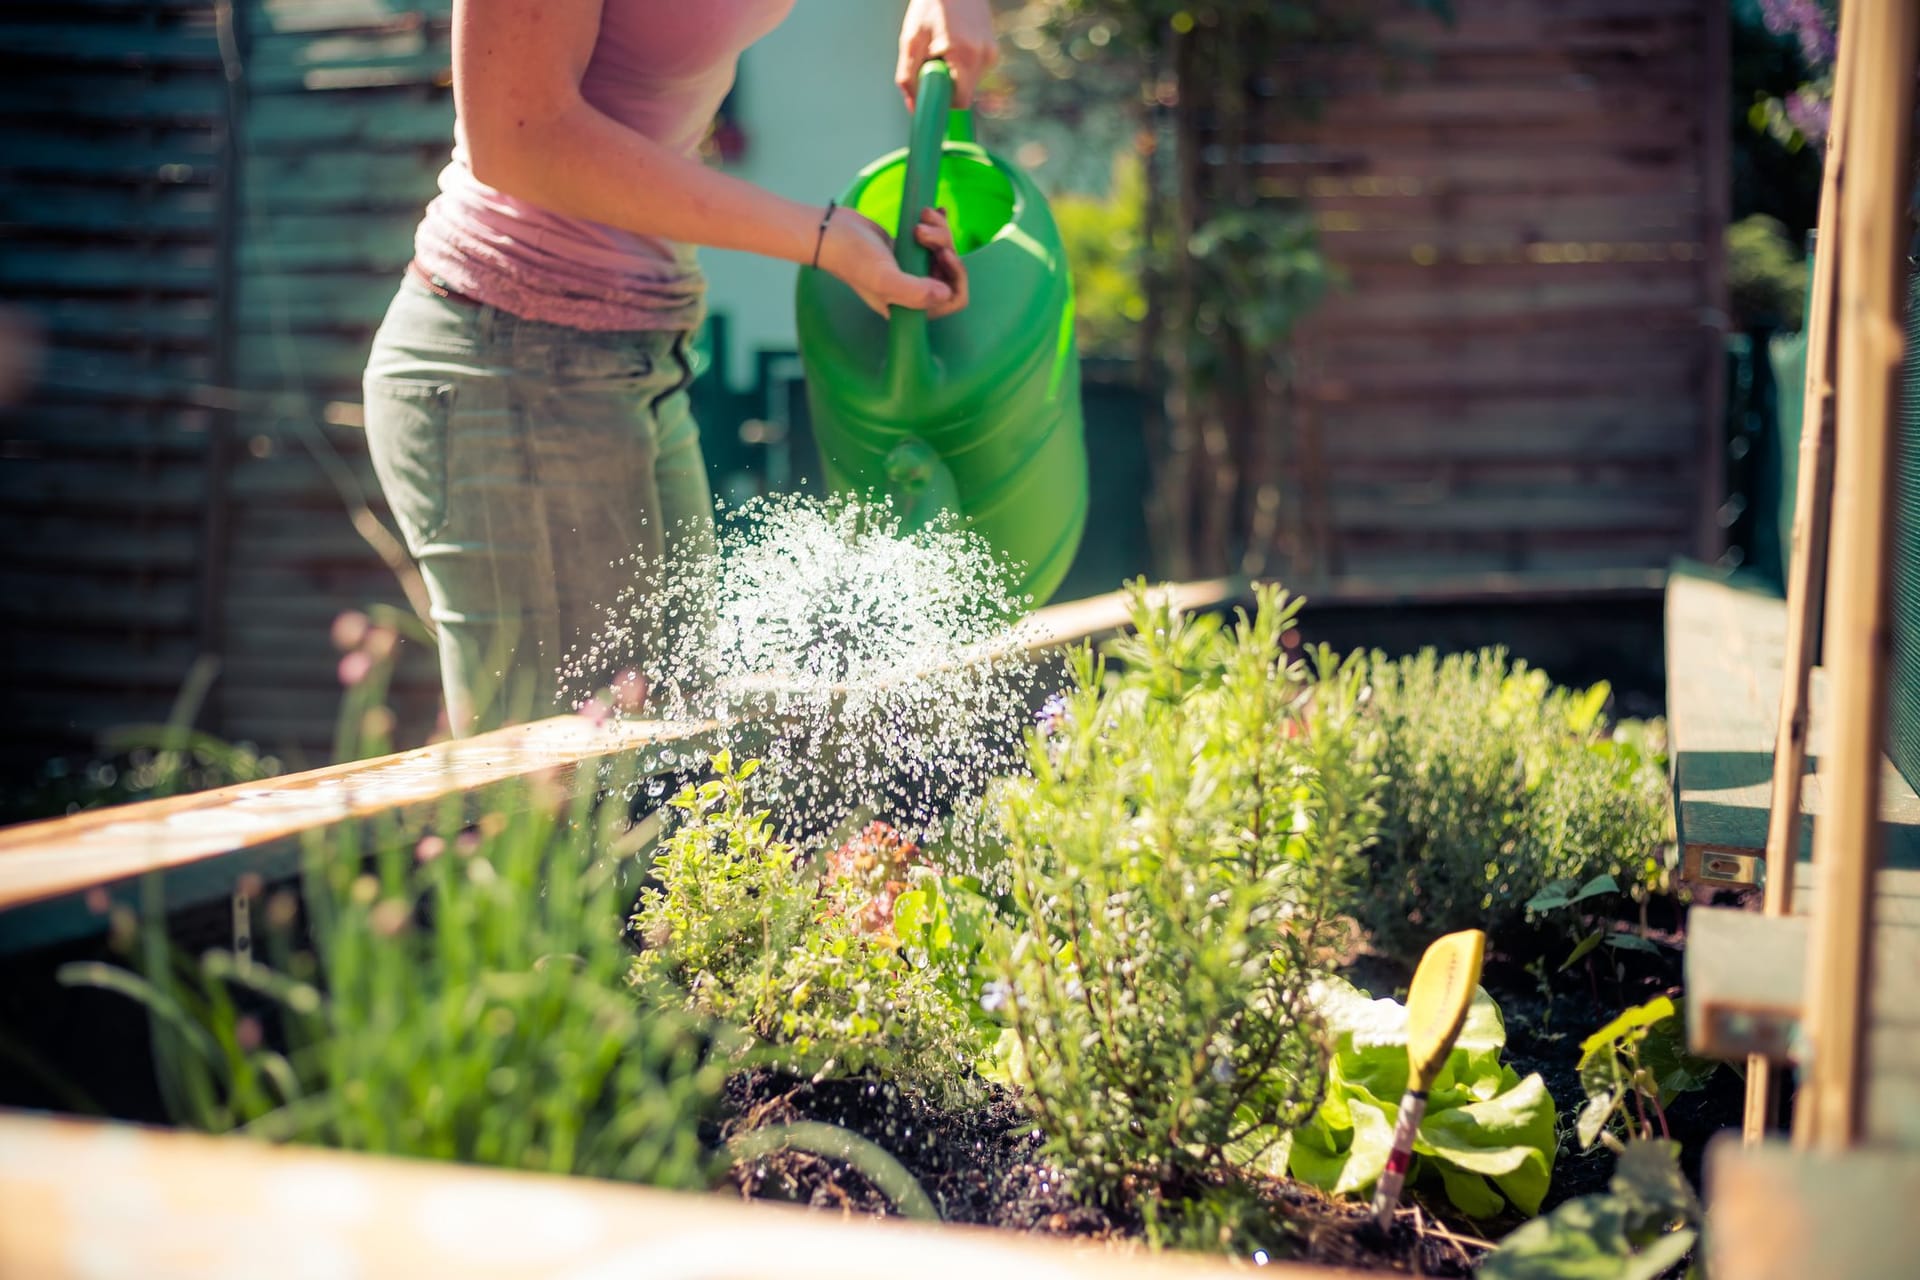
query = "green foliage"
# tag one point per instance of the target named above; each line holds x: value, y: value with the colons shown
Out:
x: 1499, y: 785
x: 1487, y: 1136
x: 1173, y: 857
x: 1638, y: 1061
x: 1104, y: 240
x: 1766, y: 276
x: 463, y: 1000
x: 810, y: 963
x: 1260, y: 271
x: 1640, y: 1228
x: 1648, y: 1218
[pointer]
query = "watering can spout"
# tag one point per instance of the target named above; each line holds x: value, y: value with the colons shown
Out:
x: 919, y: 483
x: 910, y: 364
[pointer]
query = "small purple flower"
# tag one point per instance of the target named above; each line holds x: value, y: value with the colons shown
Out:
x: 1053, y: 715
x: 1811, y: 115
x: 1807, y: 22
x: 995, y: 996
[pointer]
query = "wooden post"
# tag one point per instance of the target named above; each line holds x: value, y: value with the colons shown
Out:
x: 1710, y: 537
x: 1848, y: 837
x: 1807, y: 567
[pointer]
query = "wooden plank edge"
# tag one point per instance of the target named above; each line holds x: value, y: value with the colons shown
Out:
x: 110, y: 1201
x: 45, y: 867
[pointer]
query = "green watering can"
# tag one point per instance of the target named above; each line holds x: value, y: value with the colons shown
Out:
x: 977, y: 413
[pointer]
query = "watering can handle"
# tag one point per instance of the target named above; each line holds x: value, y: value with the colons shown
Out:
x: 910, y: 370
x: 924, y: 146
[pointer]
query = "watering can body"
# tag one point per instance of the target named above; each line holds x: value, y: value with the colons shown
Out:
x: 977, y: 413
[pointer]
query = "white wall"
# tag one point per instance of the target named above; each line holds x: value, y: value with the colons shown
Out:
x: 816, y: 100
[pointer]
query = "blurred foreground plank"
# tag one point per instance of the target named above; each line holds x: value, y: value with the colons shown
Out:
x: 115, y: 1202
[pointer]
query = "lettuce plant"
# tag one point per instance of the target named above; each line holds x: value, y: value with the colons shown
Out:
x: 1488, y: 1136
x: 1174, y: 856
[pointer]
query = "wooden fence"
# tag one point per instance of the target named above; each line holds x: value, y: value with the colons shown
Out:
x: 208, y: 207
x: 1524, y: 372
x: 208, y: 204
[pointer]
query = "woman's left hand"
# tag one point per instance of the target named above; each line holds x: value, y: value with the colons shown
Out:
x: 958, y: 31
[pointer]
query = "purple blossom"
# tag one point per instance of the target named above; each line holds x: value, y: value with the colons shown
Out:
x: 1807, y: 22
x: 1053, y: 715
x: 1810, y: 114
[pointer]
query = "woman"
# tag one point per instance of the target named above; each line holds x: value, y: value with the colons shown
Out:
x: 526, y: 393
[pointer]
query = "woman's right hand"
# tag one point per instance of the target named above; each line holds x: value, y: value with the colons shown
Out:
x: 860, y: 252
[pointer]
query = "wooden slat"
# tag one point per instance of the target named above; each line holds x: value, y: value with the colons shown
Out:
x: 342, y: 15
x: 113, y: 98
x: 1746, y: 978
x: 342, y: 179
x: 132, y: 211
x: 183, y: 1204
x: 1723, y: 689
x: 409, y: 54
x: 397, y: 120
x: 171, y: 268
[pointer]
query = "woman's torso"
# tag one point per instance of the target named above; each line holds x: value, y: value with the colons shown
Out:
x: 660, y: 67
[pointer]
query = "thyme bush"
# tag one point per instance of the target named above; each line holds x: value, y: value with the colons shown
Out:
x: 1498, y: 784
x: 1175, y: 857
x: 800, y: 951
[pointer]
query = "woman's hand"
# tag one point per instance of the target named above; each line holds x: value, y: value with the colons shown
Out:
x: 859, y: 251
x: 959, y: 31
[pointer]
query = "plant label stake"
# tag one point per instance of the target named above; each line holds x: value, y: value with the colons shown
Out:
x: 1443, y: 988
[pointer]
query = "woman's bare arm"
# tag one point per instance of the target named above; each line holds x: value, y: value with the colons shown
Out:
x: 517, y: 66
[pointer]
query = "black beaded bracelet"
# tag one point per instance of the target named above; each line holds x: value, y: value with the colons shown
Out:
x: 821, y: 238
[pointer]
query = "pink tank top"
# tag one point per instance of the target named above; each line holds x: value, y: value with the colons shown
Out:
x: 660, y: 67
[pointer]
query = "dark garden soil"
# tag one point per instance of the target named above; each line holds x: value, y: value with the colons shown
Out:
x: 984, y: 1165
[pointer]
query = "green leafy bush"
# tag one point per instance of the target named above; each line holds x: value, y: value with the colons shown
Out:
x: 1766, y: 276
x: 1488, y: 1135
x: 1174, y: 855
x: 800, y: 952
x: 463, y: 999
x: 1499, y: 785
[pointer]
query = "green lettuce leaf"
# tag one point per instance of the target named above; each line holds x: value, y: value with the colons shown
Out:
x: 1488, y: 1136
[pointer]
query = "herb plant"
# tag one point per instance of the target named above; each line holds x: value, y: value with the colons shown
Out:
x: 459, y: 996
x: 1499, y: 785
x: 802, y: 953
x: 1174, y: 856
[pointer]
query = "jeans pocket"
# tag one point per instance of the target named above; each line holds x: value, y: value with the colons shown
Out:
x: 407, y: 427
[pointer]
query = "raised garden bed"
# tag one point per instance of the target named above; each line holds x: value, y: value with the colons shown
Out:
x: 972, y: 1139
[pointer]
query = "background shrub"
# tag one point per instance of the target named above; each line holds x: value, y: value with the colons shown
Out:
x: 1497, y: 784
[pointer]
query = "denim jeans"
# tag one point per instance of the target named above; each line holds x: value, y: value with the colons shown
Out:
x: 536, y: 471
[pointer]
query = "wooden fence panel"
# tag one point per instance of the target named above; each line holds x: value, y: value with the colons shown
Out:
x: 109, y: 245
x: 1516, y: 377
x: 349, y: 122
